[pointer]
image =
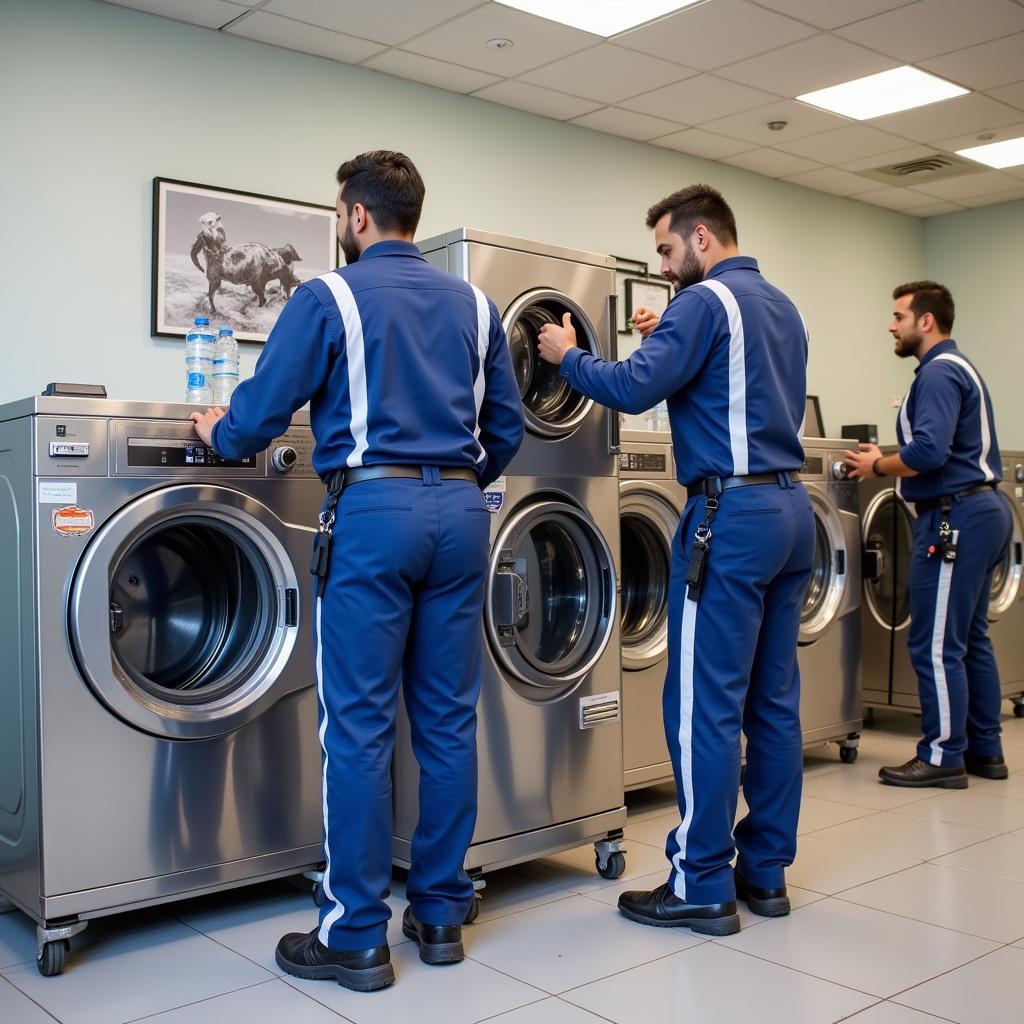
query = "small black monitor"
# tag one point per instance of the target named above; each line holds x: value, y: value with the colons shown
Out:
x: 813, y: 426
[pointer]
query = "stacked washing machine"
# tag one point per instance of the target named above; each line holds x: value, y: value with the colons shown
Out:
x: 158, y: 713
x: 550, y: 722
x: 1006, y: 602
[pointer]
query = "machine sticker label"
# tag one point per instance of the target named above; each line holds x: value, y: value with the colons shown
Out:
x: 58, y: 492
x: 494, y: 495
x: 1019, y: 491
x: 72, y: 520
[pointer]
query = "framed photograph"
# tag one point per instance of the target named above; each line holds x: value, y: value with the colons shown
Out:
x: 235, y: 257
x: 646, y: 292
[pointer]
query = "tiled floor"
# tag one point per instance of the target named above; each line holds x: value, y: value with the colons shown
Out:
x: 909, y: 909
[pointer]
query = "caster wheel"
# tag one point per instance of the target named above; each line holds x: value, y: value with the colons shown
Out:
x: 848, y: 755
x: 51, y: 961
x: 318, y: 893
x: 614, y: 868
x: 474, y: 911
x: 1018, y: 710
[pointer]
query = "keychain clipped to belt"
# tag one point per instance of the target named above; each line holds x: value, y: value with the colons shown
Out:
x: 947, y: 538
x: 701, y: 548
x: 322, y: 541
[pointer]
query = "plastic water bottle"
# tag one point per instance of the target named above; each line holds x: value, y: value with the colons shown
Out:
x: 199, y: 363
x: 225, y: 366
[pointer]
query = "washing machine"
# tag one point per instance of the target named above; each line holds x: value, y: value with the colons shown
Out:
x: 158, y: 709
x: 533, y: 284
x: 828, y: 651
x: 650, y: 504
x: 550, y: 721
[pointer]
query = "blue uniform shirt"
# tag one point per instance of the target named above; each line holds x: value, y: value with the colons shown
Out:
x: 730, y: 355
x: 400, y: 362
x: 945, y: 428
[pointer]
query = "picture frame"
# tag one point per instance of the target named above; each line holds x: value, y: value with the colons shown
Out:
x: 234, y: 257
x: 648, y: 292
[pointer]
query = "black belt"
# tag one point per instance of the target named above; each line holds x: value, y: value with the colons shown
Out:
x: 714, y: 485
x: 389, y: 472
x: 927, y: 504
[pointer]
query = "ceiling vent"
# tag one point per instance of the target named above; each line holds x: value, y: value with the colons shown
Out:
x: 934, y: 167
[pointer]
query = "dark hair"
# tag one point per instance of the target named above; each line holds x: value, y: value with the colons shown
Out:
x: 693, y: 205
x: 388, y: 185
x: 929, y: 297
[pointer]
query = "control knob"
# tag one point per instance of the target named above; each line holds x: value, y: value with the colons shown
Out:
x: 284, y: 458
x: 1018, y: 472
x: 840, y: 470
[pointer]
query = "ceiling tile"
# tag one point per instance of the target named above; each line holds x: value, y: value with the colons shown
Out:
x: 1001, y: 197
x: 971, y: 113
x: 893, y: 156
x: 700, y: 143
x: 712, y: 34
x: 536, y: 41
x: 607, y: 73
x: 932, y: 27
x: 546, y: 102
x: 968, y: 139
x: 386, y: 21
x: 832, y: 13
x: 429, y: 71
x: 986, y: 66
x: 810, y: 64
x: 208, y: 13
x: 698, y: 99
x: 752, y: 125
x: 771, y: 162
x: 847, y: 143
x: 627, y: 123
x: 896, y: 199
x: 831, y: 179
x: 935, y: 210
x: 1012, y: 94
x: 981, y: 183
x: 296, y: 35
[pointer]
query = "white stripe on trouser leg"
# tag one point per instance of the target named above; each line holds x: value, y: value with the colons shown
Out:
x: 339, y: 908
x: 483, y: 337
x: 686, y: 647
x: 938, y: 661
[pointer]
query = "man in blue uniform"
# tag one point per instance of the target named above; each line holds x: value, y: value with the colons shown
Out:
x: 949, y: 464
x: 415, y: 408
x: 730, y: 356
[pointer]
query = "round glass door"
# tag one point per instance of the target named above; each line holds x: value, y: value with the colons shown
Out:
x: 550, y: 596
x: 828, y: 573
x: 553, y: 409
x: 889, y: 543
x: 1006, y: 580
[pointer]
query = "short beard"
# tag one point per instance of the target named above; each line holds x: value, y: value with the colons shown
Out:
x: 907, y: 347
x: 349, y: 247
x: 691, y: 272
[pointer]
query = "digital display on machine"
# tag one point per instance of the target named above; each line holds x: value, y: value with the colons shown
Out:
x: 178, y: 453
x: 643, y: 462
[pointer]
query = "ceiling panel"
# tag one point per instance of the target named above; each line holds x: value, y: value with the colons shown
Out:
x: 935, y: 210
x: 974, y: 112
x: 999, y: 62
x: 810, y: 64
x: 752, y: 125
x: 932, y: 27
x: 901, y: 199
x: 892, y: 156
x: 607, y: 73
x: 698, y: 99
x: 296, y: 35
x: 771, y: 162
x: 1001, y: 197
x: 1012, y: 94
x: 851, y: 142
x: 715, y: 33
x: 207, y: 13
x: 832, y: 13
x: 701, y: 143
x: 627, y: 123
x: 536, y: 100
x: 968, y: 186
x: 429, y: 71
x: 967, y: 139
x: 536, y: 41
x: 831, y: 179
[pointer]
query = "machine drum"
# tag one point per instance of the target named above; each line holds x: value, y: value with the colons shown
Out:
x: 645, y: 571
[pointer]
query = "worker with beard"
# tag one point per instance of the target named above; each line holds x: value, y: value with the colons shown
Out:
x: 730, y: 356
x: 949, y: 465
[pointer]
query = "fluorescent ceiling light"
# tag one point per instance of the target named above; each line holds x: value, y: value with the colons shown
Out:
x: 885, y: 93
x: 602, y: 17
x: 1008, y: 153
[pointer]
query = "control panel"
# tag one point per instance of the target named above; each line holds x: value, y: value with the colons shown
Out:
x: 646, y: 461
x: 291, y: 454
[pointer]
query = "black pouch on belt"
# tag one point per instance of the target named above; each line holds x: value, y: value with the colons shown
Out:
x: 700, y: 550
x: 320, y: 559
x: 947, y: 538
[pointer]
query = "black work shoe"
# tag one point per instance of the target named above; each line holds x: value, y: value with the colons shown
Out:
x: 362, y: 970
x: 439, y: 943
x: 986, y: 767
x: 661, y: 908
x: 918, y: 774
x: 765, y: 902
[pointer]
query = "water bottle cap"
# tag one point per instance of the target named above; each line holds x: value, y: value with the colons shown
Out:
x: 200, y: 320
x: 225, y: 330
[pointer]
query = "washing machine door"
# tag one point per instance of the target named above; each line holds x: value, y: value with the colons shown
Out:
x: 888, y: 530
x: 826, y: 597
x: 1006, y: 580
x: 647, y: 525
x: 552, y: 408
x: 550, y: 600
x: 184, y: 609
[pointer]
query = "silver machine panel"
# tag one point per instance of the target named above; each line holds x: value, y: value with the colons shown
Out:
x: 1006, y: 602
x: 158, y: 712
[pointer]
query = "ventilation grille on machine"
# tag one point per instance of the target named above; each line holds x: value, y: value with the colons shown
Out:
x: 934, y: 167
x: 600, y: 709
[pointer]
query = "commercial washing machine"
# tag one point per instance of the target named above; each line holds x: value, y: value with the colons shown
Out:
x: 828, y: 650
x: 157, y: 710
x: 650, y: 504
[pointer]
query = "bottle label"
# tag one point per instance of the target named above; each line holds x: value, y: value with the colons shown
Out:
x: 196, y: 381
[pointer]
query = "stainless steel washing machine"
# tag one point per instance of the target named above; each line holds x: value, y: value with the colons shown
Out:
x: 1006, y: 603
x: 650, y: 504
x: 533, y: 284
x: 158, y: 713
x: 550, y: 723
x: 828, y: 652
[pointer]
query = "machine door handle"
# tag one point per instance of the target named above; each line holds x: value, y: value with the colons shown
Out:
x: 116, y: 617
x: 872, y: 564
x: 510, y: 600
x: 614, y: 445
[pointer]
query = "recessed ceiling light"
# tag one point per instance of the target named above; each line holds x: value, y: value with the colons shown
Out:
x: 1008, y: 153
x: 885, y: 93
x: 602, y: 17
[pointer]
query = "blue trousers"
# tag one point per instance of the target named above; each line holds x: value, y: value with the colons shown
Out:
x: 732, y: 666
x: 957, y: 676
x: 402, y: 603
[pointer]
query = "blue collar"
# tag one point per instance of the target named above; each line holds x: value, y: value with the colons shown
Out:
x: 390, y: 248
x: 949, y: 345
x: 734, y: 263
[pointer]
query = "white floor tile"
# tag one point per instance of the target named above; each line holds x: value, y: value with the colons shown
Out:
x: 654, y: 831
x: 713, y: 985
x: 562, y: 945
x: 508, y: 892
x: 575, y: 869
x: 858, y: 788
x: 968, y: 807
x: 553, y: 1010
x: 982, y: 992
x: 816, y: 814
x: 137, y: 974
x: 1011, y: 788
x: 17, y: 939
x: 455, y: 994
x: 273, y: 1002
x: 17, y: 1008
x: 991, y: 908
x: 892, y: 1013
x: 1002, y: 857
x: 651, y: 802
